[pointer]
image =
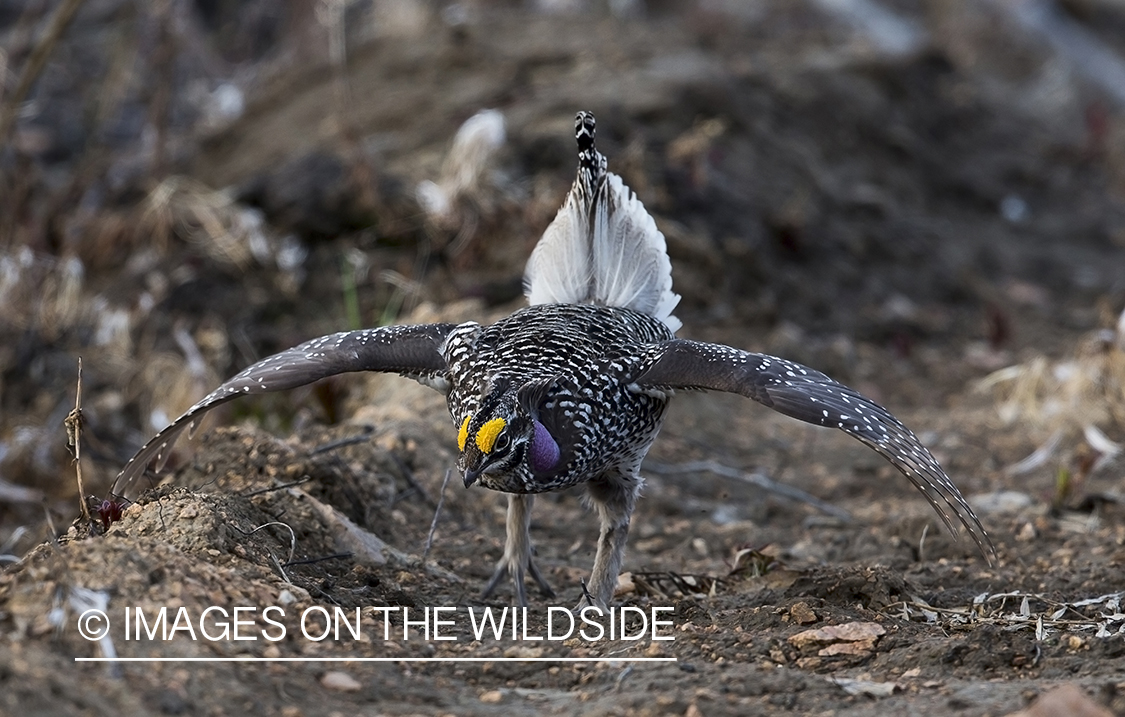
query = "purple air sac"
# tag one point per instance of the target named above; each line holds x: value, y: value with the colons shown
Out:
x: 544, y: 451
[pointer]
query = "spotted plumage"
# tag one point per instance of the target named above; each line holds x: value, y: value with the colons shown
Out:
x: 572, y: 389
x: 567, y: 367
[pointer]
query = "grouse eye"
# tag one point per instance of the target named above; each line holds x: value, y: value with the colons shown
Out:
x: 502, y: 442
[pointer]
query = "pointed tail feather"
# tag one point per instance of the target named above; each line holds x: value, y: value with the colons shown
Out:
x: 603, y: 246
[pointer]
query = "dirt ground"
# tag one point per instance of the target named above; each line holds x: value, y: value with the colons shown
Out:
x: 908, y: 204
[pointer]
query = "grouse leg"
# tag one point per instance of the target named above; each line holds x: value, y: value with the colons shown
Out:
x: 517, y: 561
x: 614, y: 496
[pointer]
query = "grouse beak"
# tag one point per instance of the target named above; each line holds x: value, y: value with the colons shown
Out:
x: 470, y: 476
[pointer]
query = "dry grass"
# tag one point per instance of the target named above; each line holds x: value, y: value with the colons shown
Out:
x: 228, y: 232
x: 1061, y: 403
x: 1102, y: 615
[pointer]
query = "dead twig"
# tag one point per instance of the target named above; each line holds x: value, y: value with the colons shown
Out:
x: 283, y: 486
x: 343, y: 442
x: 666, y: 583
x: 73, y: 423
x: 280, y: 570
x: 755, y: 479
x: 437, y: 513
x: 321, y: 559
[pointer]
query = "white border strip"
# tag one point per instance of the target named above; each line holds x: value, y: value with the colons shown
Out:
x: 376, y: 659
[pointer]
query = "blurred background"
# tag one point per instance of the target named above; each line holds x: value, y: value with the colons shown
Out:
x: 910, y: 195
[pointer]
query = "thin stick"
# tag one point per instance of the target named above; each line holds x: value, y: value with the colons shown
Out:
x: 292, y: 535
x: 756, y: 479
x: 343, y: 442
x: 35, y: 64
x: 280, y: 570
x: 437, y: 513
x: 310, y: 561
x: 283, y: 486
x: 73, y: 423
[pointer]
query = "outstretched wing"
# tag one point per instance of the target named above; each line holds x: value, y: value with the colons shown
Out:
x: 810, y: 396
x: 409, y: 350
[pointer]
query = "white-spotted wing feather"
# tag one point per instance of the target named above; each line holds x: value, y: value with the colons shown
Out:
x: 409, y: 350
x: 811, y: 396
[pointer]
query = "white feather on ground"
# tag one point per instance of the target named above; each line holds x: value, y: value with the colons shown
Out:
x: 465, y: 172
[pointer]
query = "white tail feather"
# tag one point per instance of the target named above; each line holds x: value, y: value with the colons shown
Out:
x: 602, y: 248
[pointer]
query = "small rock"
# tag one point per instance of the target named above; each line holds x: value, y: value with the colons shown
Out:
x: 523, y: 651
x: 862, y: 632
x: 340, y: 681
x: 866, y: 687
x: 492, y: 697
x: 1064, y: 701
x: 861, y: 647
x: 699, y: 545
x: 802, y: 614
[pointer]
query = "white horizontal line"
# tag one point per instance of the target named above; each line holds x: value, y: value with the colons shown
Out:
x: 375, y: 659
